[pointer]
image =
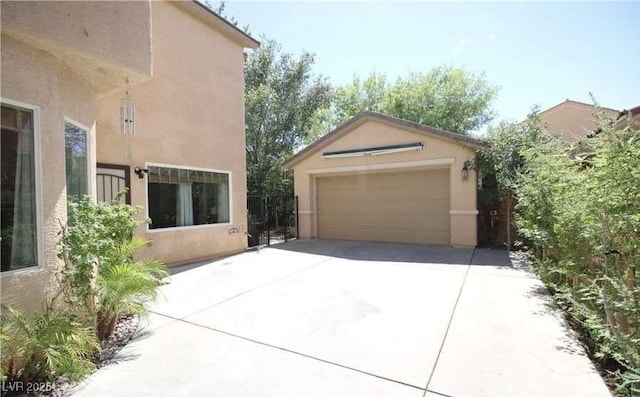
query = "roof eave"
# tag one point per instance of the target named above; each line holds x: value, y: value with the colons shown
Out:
x: 363, y: 117
x: 225, y: 27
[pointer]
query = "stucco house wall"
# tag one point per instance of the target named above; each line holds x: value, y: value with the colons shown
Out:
x: 69, y: 60
x: 190, y: 114
x: 572, y: 120
x: 373, y: 131
x: 33, y: 78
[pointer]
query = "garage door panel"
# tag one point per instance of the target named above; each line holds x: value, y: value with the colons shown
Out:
x: 409, y: 206
x: 409, y: 193
x: 389, y: 221
x: 416, y: 208
x: 434, y: 177
x: 393, y: 236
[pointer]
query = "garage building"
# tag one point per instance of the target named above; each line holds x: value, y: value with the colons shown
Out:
x: 380, y: 178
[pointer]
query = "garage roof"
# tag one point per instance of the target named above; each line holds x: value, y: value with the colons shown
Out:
x: 363, y: 117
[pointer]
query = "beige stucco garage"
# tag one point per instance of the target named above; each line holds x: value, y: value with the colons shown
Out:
x: 380, y: 178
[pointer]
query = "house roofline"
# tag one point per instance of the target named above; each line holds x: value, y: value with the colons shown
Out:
x: 634, y: 111
x: 217, y: 21
x: 362, y: 117
x: 577, y: 103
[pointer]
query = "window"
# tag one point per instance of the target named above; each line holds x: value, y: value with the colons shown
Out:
x: 75, y: 150
x: 19, y: 223
x: 185, y: 197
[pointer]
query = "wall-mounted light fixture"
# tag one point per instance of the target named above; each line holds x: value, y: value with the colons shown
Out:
x: 141, y: 172
x: 468, y: 165
x: 127, y: 113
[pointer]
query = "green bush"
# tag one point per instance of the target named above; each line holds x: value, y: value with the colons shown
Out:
x: 100, y: 281
x: 101, y: 274
x: 49, y: 345
x: 579, y: 208
x: 125, y: 286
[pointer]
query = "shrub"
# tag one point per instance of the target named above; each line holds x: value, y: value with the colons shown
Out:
x: 101, y: 274
x: 580, y: 208
x: 125, y: 286
x: 49, y: 345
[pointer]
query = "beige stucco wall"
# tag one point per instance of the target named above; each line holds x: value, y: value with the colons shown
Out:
x: 191, y: 114
x: 571, y: 121
x: 438, y: 152
x: 33, y: 77
x: 103, y: 33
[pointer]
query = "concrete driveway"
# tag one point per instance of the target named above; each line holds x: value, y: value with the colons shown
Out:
x: 335, y: 318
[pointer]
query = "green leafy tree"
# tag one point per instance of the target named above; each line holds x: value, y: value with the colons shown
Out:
x: 449, y: 98
x: 369, y: 93
x: 503, y: 159
x: 283, y: 101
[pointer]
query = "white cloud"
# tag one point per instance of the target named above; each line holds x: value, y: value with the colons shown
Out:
x: 492, y: 37
x: 463, y: 42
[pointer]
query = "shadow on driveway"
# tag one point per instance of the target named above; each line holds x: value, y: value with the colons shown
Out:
x: 397, y: 252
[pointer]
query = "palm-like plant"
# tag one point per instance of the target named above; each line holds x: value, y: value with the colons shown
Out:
x: 46, y: 346
x: 101, y: 276
x: 125, y: 285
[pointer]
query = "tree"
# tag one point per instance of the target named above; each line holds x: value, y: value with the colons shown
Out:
x: 283, y: 101
x: 449, y: 98
x: 359, y: 95
x: 504, y: 158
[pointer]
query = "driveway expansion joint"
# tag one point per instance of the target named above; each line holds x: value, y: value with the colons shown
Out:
x: 295, y: 352
x: 446, y: 333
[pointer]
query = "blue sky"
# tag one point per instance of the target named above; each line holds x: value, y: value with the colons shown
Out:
x: 537, y: 53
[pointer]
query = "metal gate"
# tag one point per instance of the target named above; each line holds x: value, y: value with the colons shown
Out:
x: 112, y: 179
x: 271, y: 219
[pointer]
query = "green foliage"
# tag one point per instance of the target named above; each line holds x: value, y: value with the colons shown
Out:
x: 101, y: 274
x: 449, y: 98
x: 369, y: 93
x: 579, y: 208
x: 283, y: 101
x: 91, y: 238
x: 125, y: 286
x: 503, y: 157
x: 100, y: 278
x: 46, y: 346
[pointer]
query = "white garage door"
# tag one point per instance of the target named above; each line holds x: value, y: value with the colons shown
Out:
x: 407, y: 206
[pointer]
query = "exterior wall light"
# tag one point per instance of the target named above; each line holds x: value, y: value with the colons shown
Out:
x: 468, y: 165
x: 141, y: 172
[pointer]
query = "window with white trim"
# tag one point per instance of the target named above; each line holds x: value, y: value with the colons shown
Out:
x: 179, y: 197
x: 19, y: 216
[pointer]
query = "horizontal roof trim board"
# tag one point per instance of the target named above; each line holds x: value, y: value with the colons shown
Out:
x: 374, y: 151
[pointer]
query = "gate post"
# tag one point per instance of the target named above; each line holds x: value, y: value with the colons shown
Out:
x: 297, y: 219
x: 268, y: 220
x: 285, y: 209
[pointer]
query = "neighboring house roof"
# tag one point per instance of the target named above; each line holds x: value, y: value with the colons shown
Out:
x: 635, y: 112
x: 363, y: 117
x: 209, y: 16
x: 577, y: 103
x: 635, y: 115
x: 572, y: 120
